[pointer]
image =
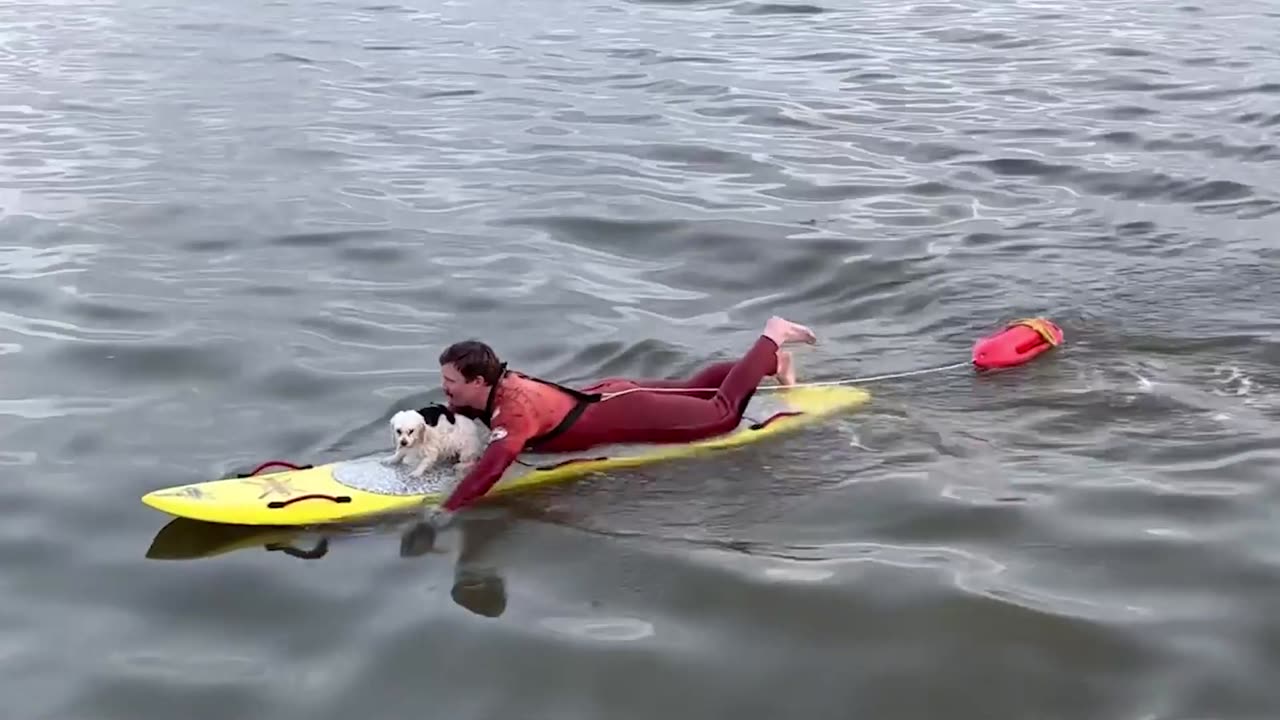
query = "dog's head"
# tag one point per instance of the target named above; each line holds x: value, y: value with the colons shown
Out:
x: 408, y: 427
x: 412, y: 426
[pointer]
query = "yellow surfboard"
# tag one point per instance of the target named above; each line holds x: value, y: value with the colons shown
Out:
x: 351, y: 489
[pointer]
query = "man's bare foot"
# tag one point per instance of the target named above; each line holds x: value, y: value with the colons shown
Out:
x: 786, y: 375
x: 784, y: 331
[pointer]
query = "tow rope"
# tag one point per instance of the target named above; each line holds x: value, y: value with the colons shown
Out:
x: 1017, y: 343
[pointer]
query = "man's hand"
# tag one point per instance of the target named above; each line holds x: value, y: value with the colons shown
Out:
x: 437, y: 517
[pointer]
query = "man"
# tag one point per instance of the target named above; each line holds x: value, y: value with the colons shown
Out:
x: 528, y: 414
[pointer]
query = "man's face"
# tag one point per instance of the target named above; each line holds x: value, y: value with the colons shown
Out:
x: 459, y: 391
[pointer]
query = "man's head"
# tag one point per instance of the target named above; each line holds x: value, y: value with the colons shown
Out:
x: 468, y: 369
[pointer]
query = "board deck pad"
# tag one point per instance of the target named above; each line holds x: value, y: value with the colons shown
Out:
x: 370, y: 475
x: 349, y: 489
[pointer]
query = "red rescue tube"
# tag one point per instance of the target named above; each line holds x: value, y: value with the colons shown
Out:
x: 1019, y: 342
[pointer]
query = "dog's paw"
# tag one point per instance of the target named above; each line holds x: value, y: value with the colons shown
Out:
x: 389, y: 461
x: 461, y: 469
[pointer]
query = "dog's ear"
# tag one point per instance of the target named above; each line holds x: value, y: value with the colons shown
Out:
x: 433, y: 412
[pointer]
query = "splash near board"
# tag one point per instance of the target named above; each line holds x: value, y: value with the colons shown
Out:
x: 352, y: 489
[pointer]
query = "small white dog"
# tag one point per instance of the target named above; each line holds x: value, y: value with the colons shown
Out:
x: 435, y: 433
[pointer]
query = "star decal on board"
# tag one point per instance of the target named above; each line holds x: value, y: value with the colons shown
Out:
x: 273, y: 486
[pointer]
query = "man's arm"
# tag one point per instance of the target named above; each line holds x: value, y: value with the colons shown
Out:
x: 486, y: 473
x: 507, y: 439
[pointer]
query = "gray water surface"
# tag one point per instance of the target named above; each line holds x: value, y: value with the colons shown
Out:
x: 238, y: 231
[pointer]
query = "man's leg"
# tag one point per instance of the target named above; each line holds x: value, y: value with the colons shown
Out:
x: 707, y: 378
x: 642, y: 417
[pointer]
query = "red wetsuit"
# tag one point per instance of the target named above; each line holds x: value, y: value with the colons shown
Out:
x: 530, y: 415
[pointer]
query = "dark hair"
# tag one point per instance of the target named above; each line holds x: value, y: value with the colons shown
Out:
x: 473, y: 359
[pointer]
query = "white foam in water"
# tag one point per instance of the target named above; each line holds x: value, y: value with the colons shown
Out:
x: 854, y: 441
x: 798, y: 574
x: 1236, y: 383
x: 609, y: 629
